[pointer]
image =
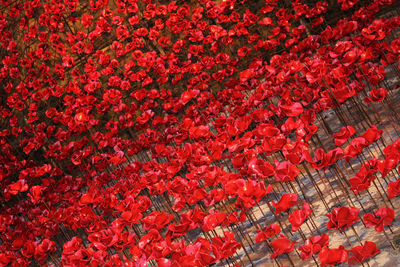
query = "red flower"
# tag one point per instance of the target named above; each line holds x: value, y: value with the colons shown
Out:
x: 213, y: 220
x: 355, y: 148
x: 199, y: 131
x: 29, y: 249
x: 201, y: 252
x: 72, y: 252
x: 269, y: 231
x: 393, y: 150
x: 261, y: 168
x: 132, y: 216
x: 43, y: 249
x: 146, y: 116
x: 323, y: 160
x: 342, y: 218
x: 282, y: 245
x: 291, y: 109
x: 223, y: 248
x: 286, y: 202
x: 215, y: 196
x: 152, y: 236
x: 376, y: 95
x: 372, y: 134
x: 297, y: 217
x: 343, y: 135
x: 362, y: 179
x: 364, y: 252
x: 330, y: 257
x: 157, y: 220
x: 393, y: 189
x: 285, y: 171
x: 266, y: 21
x: 314, y: 245
x: 380, y: 218
x: 163, y: 262
x: 386, y: 165
x: 86, y: 20
x: 35, y: 193
x: 19, y: 186
x: 246, y: 75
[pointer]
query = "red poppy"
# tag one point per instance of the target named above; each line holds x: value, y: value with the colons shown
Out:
x: 393, y: 189
x: 28, y: 249
x: 323, y: 160
x: 200, y: 252
x: 393, y: 151
x: 296, y: 152
x: 363, y: 252
x: 386, y: 165
x: 261, y: 168
x: 269, y: 231
x: 199, y: 131
x: 132, y: 217
x: 342, y: 218
x: 343, y: 135
x: 363, y: 178
x: 291, y: 109
x: 381, y: 217
x: 297, y: 218
x: 372, y: 134
x: 225, y: 247
x: 313, y: 245
x: 35, y: 193
x: 17, y: 187
x: 72, y: 252
x: 330, y: 257
x: 213, y: 220
x: 282, y: 245
x: 152, y: 236
x: 215, y: 196
x: 43, y: 249
x: 376, y: 95
x: 286, y: 202
x: 157, y: 220
x: 285, y: 171
x: 355, y: 148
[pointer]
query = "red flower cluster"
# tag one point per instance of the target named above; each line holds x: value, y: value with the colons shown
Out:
x: 151, y: 132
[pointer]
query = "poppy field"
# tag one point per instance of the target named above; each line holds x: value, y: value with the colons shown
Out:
x: 199, y: 133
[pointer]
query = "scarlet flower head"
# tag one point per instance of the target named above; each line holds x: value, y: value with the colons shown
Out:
x: 285, y: 171
x: 282, y: 245
x: 286, y: 202
x: 17, y: 187
x: 297, y: 218
x: 363, y: 252
x: 156, y: 220
x: 81, y: 117
x: 269, y: 231
x: 330, y: 257
x: 42, y: 250
x: 362, y: 179
x: 376, y: 95
x: 343, y: 135
x: 342, y: 218
x: 35, y: 193
x: 393, y: 189
x: 372, y: 134
x: 381, y: 217
x: 213, y: 220
x: 314, y: 245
